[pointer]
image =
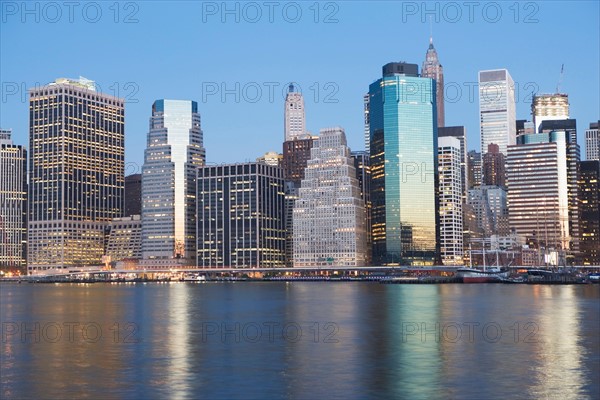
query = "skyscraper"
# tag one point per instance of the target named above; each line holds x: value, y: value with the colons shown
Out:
x: 133, y: 195
x: 13, y: 203
x: 539, y: 185
x: 433, y: 69
x: 589, y: 195
x: 497, y: 109
x: 240, y: 216
x: 450, y: 200
x: 592, y: 142
x: 174, y: 152
x: 76, y: 184
x: 294, y: 118
x: 548, y: 107
x: 329, y: 215
x: 366, y: 100
x: 362, y: 165
x: 124, y: 238
x: 460, y: 133
x: 493, y: 166
x: 404, y: 167
x: 474, y: 169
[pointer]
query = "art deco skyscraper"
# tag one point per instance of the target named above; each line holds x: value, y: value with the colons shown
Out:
x: 13, y: 203
x: 294, y: 118
x: 173, y: 154
x: 434, y: 70
x: 450, y: 200
x: 404, y: 167
x: 549, y: 107
x: 76, y: 184
x: 329, y: 215
x: 497, y: 119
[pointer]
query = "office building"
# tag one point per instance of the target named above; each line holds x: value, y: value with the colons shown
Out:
x: 13, y: 204
x: 489, y: 203
x: 366, y: 100
x: 329, y: 215
x: 76, y: 176
x: 133, y: 195
x: 271, y: 158
x: 296, y: 154
x: 497, y: 109
x: 174, y: 152
x: 460, y: 133
x: 403, y: 132
x: 294, y: 117
x: 241, y: 216
x: 592, y: 142
x: 124, y: 238
x: 474, y: 169
x: 493, y: 166
x: 434, y: 70
x: 450, y: 200
x: 362, y: 165
x: 589, y: 217
x: 548, y: 107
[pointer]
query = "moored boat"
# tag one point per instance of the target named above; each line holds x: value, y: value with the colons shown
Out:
x: 472, y: 275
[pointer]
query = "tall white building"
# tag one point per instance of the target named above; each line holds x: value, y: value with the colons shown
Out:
x: 497, y: 119
x: 329, y: 215
x: 549, y: 107
x: 450, y: 200
x: 295, y: 120
x: 367, y: 118
x: 592, y: 142
x: 173, y: 154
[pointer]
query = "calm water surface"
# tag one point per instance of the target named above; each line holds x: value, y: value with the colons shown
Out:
x: 306, y: 340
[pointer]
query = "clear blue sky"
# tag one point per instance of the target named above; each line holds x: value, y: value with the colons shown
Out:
x: 187, y: 50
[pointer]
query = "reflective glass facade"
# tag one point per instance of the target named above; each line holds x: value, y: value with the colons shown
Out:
x: 497, y: 109
x: 173, y: 154
x: 403, y: 167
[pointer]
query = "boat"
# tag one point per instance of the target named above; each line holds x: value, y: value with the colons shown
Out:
x: 486, y: 275
x: 594, y: 277
x: 194, y: 278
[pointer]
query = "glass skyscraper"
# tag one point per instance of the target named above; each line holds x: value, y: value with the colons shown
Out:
x: 404, y: 162
x: 76, y: 174
x: 497, y: 109
x: 173, y: 154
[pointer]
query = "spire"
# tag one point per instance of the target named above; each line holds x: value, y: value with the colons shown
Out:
x: 430, y: 33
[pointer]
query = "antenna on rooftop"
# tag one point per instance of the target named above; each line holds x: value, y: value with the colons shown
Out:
x: 560, y: 79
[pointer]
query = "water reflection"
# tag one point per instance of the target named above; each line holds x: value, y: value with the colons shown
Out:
x: 242, y: 340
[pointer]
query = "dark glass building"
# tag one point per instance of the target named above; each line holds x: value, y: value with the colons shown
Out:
x: 362, y: 165
x: 589, y: 222
x: 404, y: 162
x: 133, y: 195
x: 240, y: 216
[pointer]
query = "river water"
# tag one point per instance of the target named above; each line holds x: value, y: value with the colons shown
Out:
x: 307, y: 340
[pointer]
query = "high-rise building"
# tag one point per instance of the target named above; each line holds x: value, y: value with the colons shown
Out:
x: 174, y: 152
x: 76, y: 177
x: 13, y: 204
x: 589, y: 222
x: 497, y: 109
x: 240, y: 216
x: 296, y: 154
x: 124, y: 238
x: 329, y: 215
x: 362, y: 165
x: 133, y: 195
x: 592, y: 142
x: 540, y: 190
x: 548, y: 107
x: 489, y: 203
x: 433, y: 69
x: 460, y: 133
x: 294, y: 118
x: 271, y: 158
x: 450, y: 200
x: 474, y: 169
x: 404, y: 167
x: 493, y: 166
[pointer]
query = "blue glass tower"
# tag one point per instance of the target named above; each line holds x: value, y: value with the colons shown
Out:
x: 403, y: 149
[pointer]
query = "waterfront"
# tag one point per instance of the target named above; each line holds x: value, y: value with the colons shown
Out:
x: 299, y: 340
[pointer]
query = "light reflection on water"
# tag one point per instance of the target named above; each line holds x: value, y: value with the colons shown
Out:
x: 358, y: 340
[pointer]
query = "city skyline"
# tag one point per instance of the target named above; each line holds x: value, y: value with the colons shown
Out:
x: 533, y: 69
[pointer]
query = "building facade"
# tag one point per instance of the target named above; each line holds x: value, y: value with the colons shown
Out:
x: 493, y: 166
x: 474, y: 168
x: 294, y: 117
x: 433, y: 69
x: 124, y: 238
x: 174, y: 152
x: 13, y: 204
x: 241, y: 216
x: 460, y: 133
x: 589, y: 223
x: 76, y: 176
x: 548, y: 107
x: 362, y: 165
x: 329, y: 215
x: 592, y: 142
x: 450, y: 200
x: 133, y: 195
x: 497, y: 119
x: 404, y: 167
